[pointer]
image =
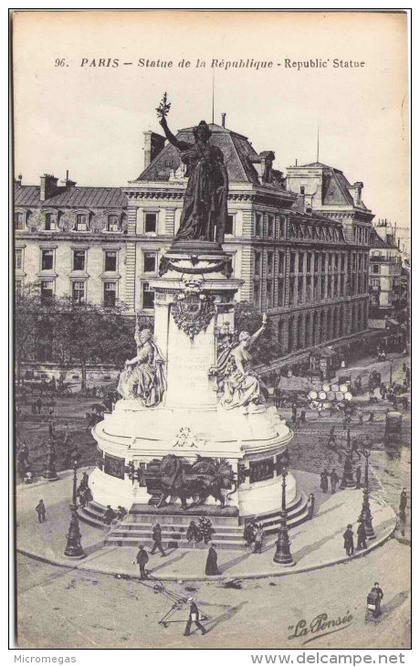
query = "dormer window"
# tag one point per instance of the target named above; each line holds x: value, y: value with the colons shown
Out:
x: 50, y: 222
x: 81, y: 222
x: 113, y: 223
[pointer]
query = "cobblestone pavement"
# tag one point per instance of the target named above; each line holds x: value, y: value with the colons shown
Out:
x: 70, y: 609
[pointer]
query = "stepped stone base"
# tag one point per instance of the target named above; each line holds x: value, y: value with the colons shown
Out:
x: 229, y: 527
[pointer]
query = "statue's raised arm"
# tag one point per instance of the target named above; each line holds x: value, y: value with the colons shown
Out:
x: 252, y: 339
x: 204, y: 212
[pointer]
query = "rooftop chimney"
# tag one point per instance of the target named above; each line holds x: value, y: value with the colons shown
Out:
x: 48, y: 186
x: 67, y: 182
x: 153, y: 144
x: 223, y: 119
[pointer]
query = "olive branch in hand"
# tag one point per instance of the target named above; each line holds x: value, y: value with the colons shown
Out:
x: 163, y: 109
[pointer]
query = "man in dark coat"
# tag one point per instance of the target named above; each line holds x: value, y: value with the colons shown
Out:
x: 348, y: 540
x: 109, y: 515
x: 324, y: 481
x: 40, y: 510
x: 211, y: 562
x: 141, y: 559
x: 361, y: 535
x: 403, y: 501
x: 303, y: 416
x: 334, y: 479
x: 193, y: 533
x: 157, y: 540
x: 194, y: 617
x: 294, y: 413
x: 358, y: 476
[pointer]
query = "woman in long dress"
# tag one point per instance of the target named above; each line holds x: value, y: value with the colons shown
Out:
x: 204, y: 213
x: 211, y: 562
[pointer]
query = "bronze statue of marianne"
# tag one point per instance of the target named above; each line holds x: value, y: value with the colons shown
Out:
x: 205, y: 202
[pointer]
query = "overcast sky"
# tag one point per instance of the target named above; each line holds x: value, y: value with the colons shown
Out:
x: 90, y: 120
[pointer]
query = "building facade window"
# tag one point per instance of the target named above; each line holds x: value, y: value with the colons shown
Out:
x: 292, y: 262
x: 148, y: 296
x: 110, y: 294
x: 78, y: 291
x: 79, y: 260
x: 149, y: 262
x: 150, y: 223
x: 375, y: 268
x: 19, y: 258
x: 19, y: 220
x: 229, y: 225
x: 270, y: 226
x: 47, y: 291
x: 259, y: 225
x: 81, y: 222
x: 110, y: 260
x: 47, y: 260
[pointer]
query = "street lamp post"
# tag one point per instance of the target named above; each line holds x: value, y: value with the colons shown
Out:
x: 366, y: 514
x: 74, y: 547
x: 50, y: 470
x: 282, y: 554
x: 347, y: 481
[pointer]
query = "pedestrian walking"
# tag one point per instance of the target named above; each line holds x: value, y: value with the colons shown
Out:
x: 109, y: 515
x: 41, y: 511
x: 249, y: 534
x: 324, y: 481
x: 193, y: 533
x: 403, y: 500
x: 193, y: 617
x: 259, y: 538
x: 310, y: 505
x: 142, y: 559
x: 360, y: 417
x: 334, y: 479
x: 294, y: 413
x: 211, y: 562
x: 303, y: 416
x: 157, y: 540
x: 371, y: 417
x: 348, y: 540
x: 374, y: 599
x: 38, y: 403
x: 361, y: 535
x: 358, y: 472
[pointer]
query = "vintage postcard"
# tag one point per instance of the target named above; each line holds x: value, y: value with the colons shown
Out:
x: 212, y: 349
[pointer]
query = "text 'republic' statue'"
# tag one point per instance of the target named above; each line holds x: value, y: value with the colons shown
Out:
x: 144, y: 376
x: 204, y: 212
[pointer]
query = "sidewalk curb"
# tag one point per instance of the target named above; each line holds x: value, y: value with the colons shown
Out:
x: 179, y: 577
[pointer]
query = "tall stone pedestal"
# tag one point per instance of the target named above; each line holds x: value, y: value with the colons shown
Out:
x: 194, y: 318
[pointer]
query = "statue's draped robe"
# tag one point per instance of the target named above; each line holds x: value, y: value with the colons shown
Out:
x: 241, y: 385
x: 146, y: 379
x: 204, y: 213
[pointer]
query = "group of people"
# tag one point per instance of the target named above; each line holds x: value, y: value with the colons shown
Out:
x: 348, y: 537
x: 112, y: 516
x: 254, y: 535
x: 142, y: 557
x: 202, y: 531
x: 333, y: 480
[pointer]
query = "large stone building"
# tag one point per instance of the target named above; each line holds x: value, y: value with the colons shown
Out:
x: 386, y: 273
x: 301, y: 244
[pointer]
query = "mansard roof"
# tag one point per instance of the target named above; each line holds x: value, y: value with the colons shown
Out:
x: 335, y: 186
x: 74, y: 197
x: 238, y: 152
